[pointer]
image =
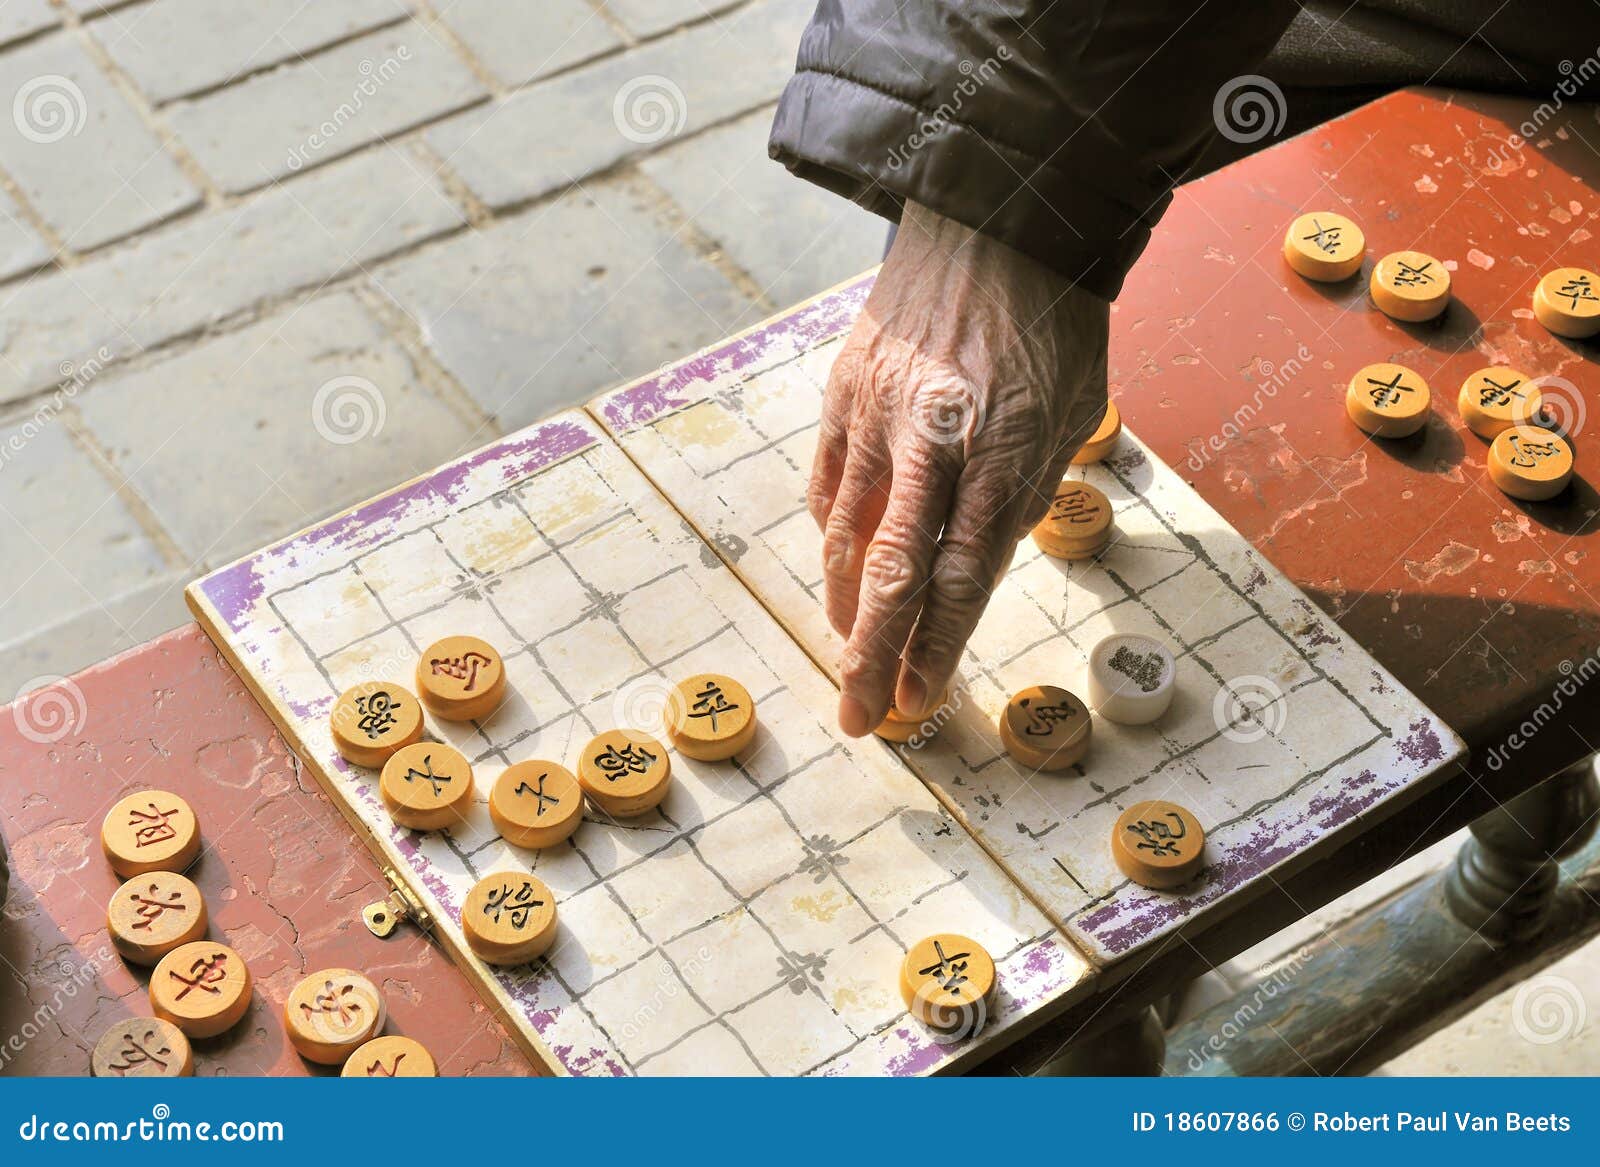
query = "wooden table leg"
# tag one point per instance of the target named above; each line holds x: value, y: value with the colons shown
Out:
x: 1520, y: 895
x: 1504, y: 878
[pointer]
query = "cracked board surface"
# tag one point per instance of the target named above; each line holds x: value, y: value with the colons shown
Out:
x: 1283, y: 734
x: 755, y: 923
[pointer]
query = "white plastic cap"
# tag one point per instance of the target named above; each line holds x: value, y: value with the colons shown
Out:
x: 1131, y: 678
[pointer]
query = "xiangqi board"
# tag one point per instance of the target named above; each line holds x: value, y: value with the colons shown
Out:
x: 755, y: 922
x: 1281, y: 733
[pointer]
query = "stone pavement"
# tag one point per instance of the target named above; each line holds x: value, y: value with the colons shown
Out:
x: 260, y: 259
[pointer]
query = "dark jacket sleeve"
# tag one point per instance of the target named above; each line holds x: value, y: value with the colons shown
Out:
x: 1057, y: 126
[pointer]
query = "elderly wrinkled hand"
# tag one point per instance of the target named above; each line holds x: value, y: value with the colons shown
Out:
x: 969, y: 381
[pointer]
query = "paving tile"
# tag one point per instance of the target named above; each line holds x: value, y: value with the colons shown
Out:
x: 173, y: 48
x: 649, y: 17
x: 71, y: 542
x: 95, y: 633
x: 175, y: 281
x: 79, y: 152
x: 302, y: 115
x: 227, y: 440
x: 795, y: 238
x: 518, y: 42
x: 562, y: 130
x: 551, y: 307
x: 20, y: 18
x: 21, y: 248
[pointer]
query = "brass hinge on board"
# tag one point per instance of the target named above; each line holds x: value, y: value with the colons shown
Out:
x: 384, y: 916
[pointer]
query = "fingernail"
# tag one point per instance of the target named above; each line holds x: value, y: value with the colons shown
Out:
x: 853, y: 717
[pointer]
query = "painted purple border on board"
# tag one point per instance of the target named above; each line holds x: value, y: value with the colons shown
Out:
x: 1130, y: 919
x: 675, y: 387
x: 234, y: 590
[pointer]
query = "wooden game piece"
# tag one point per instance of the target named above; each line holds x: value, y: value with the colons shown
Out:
x: 1567, y: 302
x: 152, y: 914
x: 391, y: 1057
x: 946, y: 981
x: 1410, y: 286
x: 142, y: 1047
x: 1497, y: 398
x: 1388, y: 401
x: 901, y: 729
x: 509, y: 918
x: 332, y: 1013
x: 1158, y: 844
x: 1530, y: 463
x: 1131, y: 678
x: 150, y: 831
x: 426, y: 786
x: 203, y: 988
x: 1078, y: 524
x: 1323, y: 246
x: 536, y: 804
x: 1103, y: 440
x: 624, y: 772
x: 461, y: 678
x: 710, y: 718
x: 1045, y: 728
x: 372, y: 720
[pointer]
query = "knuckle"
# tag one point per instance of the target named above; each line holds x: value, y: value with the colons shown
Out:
x: 838, y: 548
x: 892, y: 575
x: 962, y: 577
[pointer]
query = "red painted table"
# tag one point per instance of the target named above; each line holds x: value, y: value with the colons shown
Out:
x: 283, y: 877
x: 1234, y: 369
